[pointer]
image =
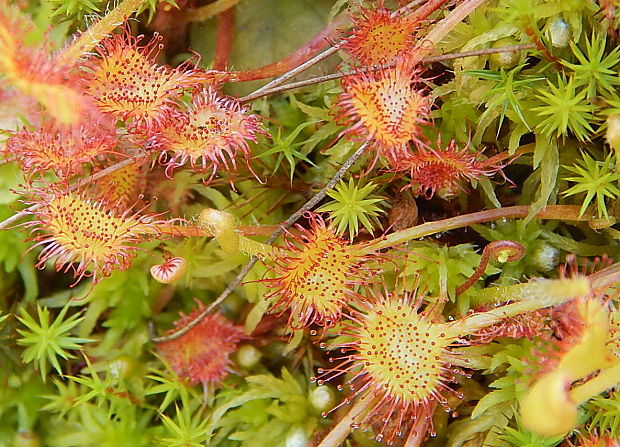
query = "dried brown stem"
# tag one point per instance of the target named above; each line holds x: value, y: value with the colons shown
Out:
x: 286, y: 224
x: 95, y: 33
x: 445, y: 57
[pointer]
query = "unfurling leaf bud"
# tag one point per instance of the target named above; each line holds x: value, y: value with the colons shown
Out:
x: 170, y: 271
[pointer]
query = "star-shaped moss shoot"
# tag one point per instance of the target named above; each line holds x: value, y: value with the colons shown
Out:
x: 92, y: 238
x: 442, y: 170
x: 402, y: 360
x: 380, y: 36
x: 202, y: 355
x: 209, y: 134
x: 389, y: 107
x: 315, y: 275
x: 62, y: 149
x: 127, y: 83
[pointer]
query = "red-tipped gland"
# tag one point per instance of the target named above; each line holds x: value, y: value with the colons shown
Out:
x: 128, y: 84
x: 442, y: 170
x: 170, y: 271
x: 61, y: 149
x: 397, y: 356
x: 315, y: 276
x: 388, y: 107
x: 202, y: 355
x: 380, y: 36
x: 210, y: 134
x: 86, y: 236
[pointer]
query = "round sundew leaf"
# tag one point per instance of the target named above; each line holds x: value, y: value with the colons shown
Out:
x: 402, y: 352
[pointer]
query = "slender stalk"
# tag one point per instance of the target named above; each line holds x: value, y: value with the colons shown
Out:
x: 442, y: 29
x: 609, y: 276
x: 343, y: 428
x: 286, y: 224
x: 207, y: 11
x: 559, y: 212
x: 427, y: 8
x: 420, y: 13
x: 223, y: 40
x: 428, y: 60
x: 298, y: 61
x: 529, y: 296
x: 95, y: 33
x: 294, y: 72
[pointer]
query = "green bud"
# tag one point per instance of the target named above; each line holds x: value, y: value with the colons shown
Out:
x: 545, y: 257
x: 558, y: 32
x: 507, y: 59
x: 322, y: 398
x: 248, y: 356
x: 27, y: 439
x: 296, y: 437
x: 123, y: 366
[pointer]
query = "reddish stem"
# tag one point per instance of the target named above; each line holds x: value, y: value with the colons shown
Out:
x: 194, y: 231
x: 542, y: 48
x: 308, y: 50
x: 223, y: 39
x: 494, y: 249
x: 427, y: 9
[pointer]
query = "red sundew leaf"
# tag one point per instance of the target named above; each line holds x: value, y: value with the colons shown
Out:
x: 442, y: 169
x: 386, y: 107
x: 62, y: 149
x: 127, y: 83
x: 315, y: 276
x: 209, y: 134
x: 202, y: 355
x: 91, y: 238
x: 34, y: 73
x: 397, y: 357
x: 379, y: 36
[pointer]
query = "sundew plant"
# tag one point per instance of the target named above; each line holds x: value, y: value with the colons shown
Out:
x: 309, y: 223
